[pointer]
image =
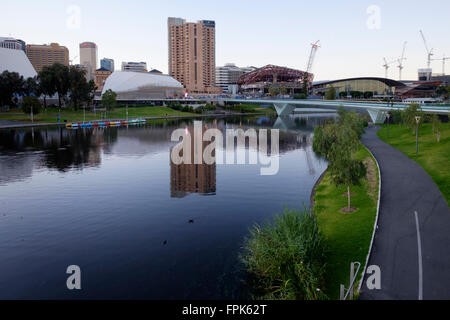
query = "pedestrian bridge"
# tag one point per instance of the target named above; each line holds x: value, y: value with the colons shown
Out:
x: 376, y: 110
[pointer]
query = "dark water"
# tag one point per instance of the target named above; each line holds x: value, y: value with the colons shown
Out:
x: 110, y: 201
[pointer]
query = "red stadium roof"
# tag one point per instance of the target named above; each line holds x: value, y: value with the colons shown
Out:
x: 271, y: 72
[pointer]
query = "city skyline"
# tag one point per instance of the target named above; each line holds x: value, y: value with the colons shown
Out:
x: 354, y: 37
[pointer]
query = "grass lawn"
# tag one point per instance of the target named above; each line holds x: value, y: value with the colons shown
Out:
x: 347, y: 235
x: 51, y: 115
x: 433, y: 156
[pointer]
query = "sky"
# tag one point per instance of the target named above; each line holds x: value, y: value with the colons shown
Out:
x: 354, y: 35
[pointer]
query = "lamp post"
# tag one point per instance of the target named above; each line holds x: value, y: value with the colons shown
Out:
x: 388, y: 115
x: 417, y: 134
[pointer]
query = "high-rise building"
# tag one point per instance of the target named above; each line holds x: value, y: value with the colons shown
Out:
x: 46, y: 55
x: 12, y: 43
x: 107, y: 64
x: 88, y: 58
x: 134, y: 66
x: 192, y: 54
x: 227, y: 76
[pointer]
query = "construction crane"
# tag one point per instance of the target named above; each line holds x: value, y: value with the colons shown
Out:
x: 314, y: 47
x: 71, y: 61
x: 386, y: 66
x: 429, y: 52
x: 443, y: 63
x: 400, y: 62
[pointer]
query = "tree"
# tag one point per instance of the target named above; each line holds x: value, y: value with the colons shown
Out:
x: 443, y: 91
x: 109, y: 99
x: 80, y: 91
x: 331, y: 93
x: 31, y: 104
x: 11, y: 83
x: 352, y: 120
x: 30, y: 87
x: 273, y: 91
x: 368, y: 94
x: 283, y: 90
x: 46, y: 83
x: 436, y: 124
x: 60, y: 80
x: 409, y: 115
x: 337, y: 142
x: 346, y: 171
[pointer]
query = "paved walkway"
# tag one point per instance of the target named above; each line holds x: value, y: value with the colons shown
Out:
x: 408, y: 270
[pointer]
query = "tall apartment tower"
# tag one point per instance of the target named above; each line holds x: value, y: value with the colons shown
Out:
x: 46, y: 55
x: 192, y: 54
x: 88, y: 58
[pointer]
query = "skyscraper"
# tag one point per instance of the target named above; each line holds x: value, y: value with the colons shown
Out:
x: 134, y: 66
x: 88, y: 58
x: 192, y: 54
x: 46, y: 55
x: 107, y: 64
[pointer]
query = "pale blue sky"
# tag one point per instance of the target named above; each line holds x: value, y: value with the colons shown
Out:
x: 248, y: 32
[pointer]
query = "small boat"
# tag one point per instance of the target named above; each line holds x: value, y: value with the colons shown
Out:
x: 124, y: 123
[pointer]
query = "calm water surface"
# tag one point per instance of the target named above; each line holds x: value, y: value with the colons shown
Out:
x: 139, y: 227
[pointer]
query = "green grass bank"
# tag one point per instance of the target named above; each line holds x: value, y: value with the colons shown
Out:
x: 433, y: 157
x: 51, y: 114
x: 347, y: 235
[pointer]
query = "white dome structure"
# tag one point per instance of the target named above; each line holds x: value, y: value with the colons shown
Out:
x: 16, y: 61
x: 135, y: 86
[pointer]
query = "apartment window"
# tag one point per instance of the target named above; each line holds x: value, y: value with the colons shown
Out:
x: 195, y: 72
x: 195, y: 48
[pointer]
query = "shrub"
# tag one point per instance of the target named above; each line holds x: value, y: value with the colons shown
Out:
x: 29, y: 103
x: 109, y: 99
x: 331, y: 93
x: 287, y: 257
x: 300, y: 96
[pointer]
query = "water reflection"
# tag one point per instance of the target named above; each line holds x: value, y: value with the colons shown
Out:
x: 192, y: 178
x: 110, y: 201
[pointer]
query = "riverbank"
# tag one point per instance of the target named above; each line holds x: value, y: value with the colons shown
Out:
x: 50, y: 115
x: 433, y: 157
x: 347, y: 235
x: 7, y: 124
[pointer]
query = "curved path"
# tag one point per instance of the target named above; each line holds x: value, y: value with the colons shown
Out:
x: 412, y: 241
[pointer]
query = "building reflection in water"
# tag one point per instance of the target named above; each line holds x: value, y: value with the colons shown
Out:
x: 192, y: 178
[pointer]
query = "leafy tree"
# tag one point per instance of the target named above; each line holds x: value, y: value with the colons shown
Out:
x: 283, y: 90
x: 396, y: 116
x: 109, y: 99
x: 337, y: 142
x: 443, y: 91
x: 31, y: 103
x: 436, y: 125
x: 11, y: 83
x: 60, y: 80
x: 331, y: 93
x: 300, y: 96
x: 409, y: 115
x: 346, y: 171
x: 46, y: 83
x: 30, y: 87
x: 273, y: 91
x: 80, y: 91
x: 352, y: 120
x: 368, y: 94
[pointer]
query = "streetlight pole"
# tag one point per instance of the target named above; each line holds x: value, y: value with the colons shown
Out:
x: 417, y: 134
x: 388, y: 117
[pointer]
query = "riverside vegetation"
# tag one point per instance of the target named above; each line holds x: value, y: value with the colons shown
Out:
x: 306, y: 254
